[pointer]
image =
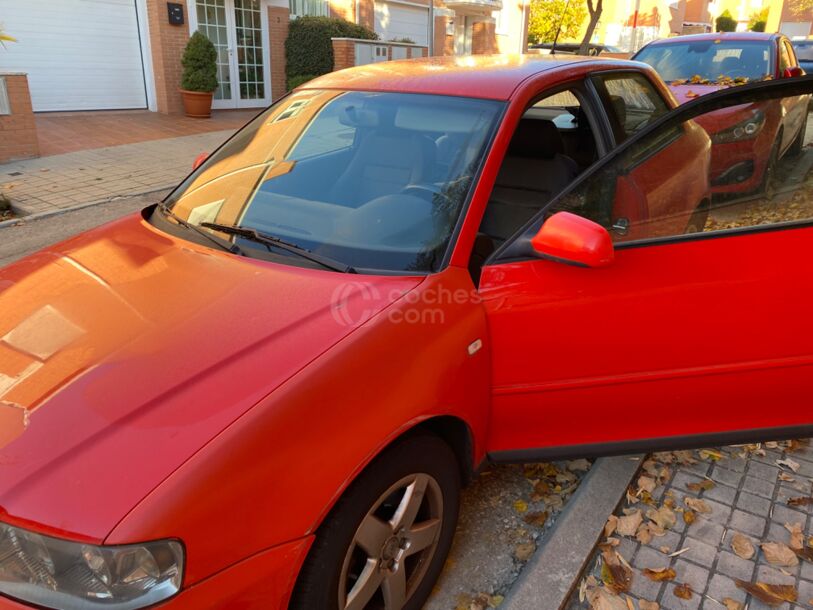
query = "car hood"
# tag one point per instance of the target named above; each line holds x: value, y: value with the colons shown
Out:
x: 125, y: 350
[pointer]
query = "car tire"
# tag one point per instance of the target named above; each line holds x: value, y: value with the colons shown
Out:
x: 367, y: 553
x: 798, y: 144
x: 766, y: 188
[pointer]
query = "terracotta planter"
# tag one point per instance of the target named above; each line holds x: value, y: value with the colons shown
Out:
x: 197, y: 104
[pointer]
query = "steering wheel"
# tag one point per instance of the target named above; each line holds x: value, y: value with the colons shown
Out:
x: 422, y: 190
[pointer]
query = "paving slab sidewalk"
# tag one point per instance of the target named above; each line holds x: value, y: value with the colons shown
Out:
x: 752, y: 490
x: 61, y: 182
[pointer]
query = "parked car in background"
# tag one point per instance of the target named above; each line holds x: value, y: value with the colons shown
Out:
x: 266, y: 391
x: 804, y: 54
x: 749, y: 140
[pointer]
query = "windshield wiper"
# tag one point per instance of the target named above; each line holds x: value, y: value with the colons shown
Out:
x: 271, y: 241
x: 225, y: 245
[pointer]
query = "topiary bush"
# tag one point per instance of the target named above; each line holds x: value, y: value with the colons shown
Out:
x: 726, y: 22
x: 199, y: 65
x: 308, y: 49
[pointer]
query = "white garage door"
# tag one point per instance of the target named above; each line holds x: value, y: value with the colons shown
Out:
x: 79, y: 54
x: 797, y: 28
x: 394, y: 20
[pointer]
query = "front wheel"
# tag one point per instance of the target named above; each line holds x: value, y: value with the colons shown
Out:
x: 384, y: 544
x: 798, y: 144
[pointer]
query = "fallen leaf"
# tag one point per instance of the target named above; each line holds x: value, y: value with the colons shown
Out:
x: 601, y: 598
x: 496, y: 600
x: 806, y: 553
x: 784, y: 476
x: 710, y: 454
x: 647, y: 605
x: 630, y: 604
x: 610, y: 526
x: 646, y: 483
x: 797, y: 538
x: 742, y: 546
x: 697, y: 505
x: 800, y: 501
x: 520, y: 506
x: 537, y: 518
x: 789, y: 463
x: 580, y: 465
x: 683, y: 591
x: 771, y: 595
x: 779, y: 554
x: 617, y: 577
x: 664, y: 516
x: 644, y: 535
x: 732, y: 604
x: 664, y: 549
x: 628, y: 525
x: 705, y: 485
x: 660, y: 574
x: 524, y: 551
x: 689, y: 516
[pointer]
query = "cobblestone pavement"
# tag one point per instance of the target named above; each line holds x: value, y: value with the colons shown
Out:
x: 757, y: 494
x: 99, y: 174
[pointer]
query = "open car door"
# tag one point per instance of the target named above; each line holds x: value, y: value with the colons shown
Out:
x: 630, y: 313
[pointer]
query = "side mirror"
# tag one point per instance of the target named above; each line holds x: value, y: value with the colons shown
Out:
x: 793, y: 72
x: 572, y: 239
x: 199, y: 160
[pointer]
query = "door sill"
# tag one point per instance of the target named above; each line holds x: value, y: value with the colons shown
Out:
x: 649, y: 445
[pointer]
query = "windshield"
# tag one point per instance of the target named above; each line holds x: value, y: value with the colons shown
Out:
x: 709, y: 60
x: 376, y: 181
x: 804, y: 50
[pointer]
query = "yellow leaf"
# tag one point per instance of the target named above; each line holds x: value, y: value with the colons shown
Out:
x: 732, y: 604
x: 520, y: 506
x: 660, y: 574
x: 683, y: 591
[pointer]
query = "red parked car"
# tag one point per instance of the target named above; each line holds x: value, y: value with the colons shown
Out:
x: 266, y: 391
x: 749, y: 140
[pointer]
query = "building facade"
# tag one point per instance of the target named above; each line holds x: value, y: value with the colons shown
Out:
x: 124, y: 54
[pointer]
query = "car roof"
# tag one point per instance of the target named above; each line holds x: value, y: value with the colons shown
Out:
x: 764, y: 36
x: 481, y: 76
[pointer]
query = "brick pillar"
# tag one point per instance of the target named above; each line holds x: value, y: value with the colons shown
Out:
x: 18, y: 132
x: 167, y: 43
x: 483, y: 38
x: 278, y: 20
x: 344, y: 54
x: 367, y: 13
x: 343, y: 9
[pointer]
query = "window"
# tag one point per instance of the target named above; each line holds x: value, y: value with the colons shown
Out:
x: 784, y: 57
x: 707, y: 60
x: 553, y: 143
x: 733, y: 168
x: 5, y: 107
x: 311, y: 8
x: 631, y: 102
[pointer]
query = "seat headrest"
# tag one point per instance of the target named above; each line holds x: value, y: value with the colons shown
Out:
x: 620, y: 109
x: 538, y: 139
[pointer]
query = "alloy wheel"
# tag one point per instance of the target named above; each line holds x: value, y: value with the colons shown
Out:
x: 393, y: 546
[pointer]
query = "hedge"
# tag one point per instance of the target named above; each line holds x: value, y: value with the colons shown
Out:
x: 726, y: 22
x: 308, y: 49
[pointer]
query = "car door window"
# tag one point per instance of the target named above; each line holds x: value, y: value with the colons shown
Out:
x: 630, y: 100
x: 784, y: 57
x: 554, y: 142
x: 719, y: 172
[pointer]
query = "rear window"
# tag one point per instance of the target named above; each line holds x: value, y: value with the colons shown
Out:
x: 709, y: 60
x: 804, y: 50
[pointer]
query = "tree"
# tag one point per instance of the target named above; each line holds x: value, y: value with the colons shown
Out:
x: 801, y: 8
x: 726, y: 22
x: 546, y: 17
x: 595, y: 15
x: 759, y: 21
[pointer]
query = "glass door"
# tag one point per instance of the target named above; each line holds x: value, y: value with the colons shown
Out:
x: 239, y: 31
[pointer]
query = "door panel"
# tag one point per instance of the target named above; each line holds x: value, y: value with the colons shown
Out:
x: 683, y: 334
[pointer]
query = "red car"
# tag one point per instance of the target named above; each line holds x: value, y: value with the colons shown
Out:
x: 266, y: 391
x: 749, y: 140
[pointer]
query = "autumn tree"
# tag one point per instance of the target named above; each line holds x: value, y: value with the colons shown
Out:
x: 801, y: 8
x: 547, y: 17
x: 594, y: 7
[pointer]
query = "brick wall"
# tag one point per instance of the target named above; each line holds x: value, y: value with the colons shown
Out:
x: 167, y: 43
x: 343, y: 9
x: 278, y: 20
x: 18, y: 132
x: 367, y: 13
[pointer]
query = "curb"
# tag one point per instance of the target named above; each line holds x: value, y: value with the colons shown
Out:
x: 24, y: 218
x: 554, y: 572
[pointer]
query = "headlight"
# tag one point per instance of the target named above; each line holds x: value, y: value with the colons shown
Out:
x: 744, y: 130
x: 67, y: 575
